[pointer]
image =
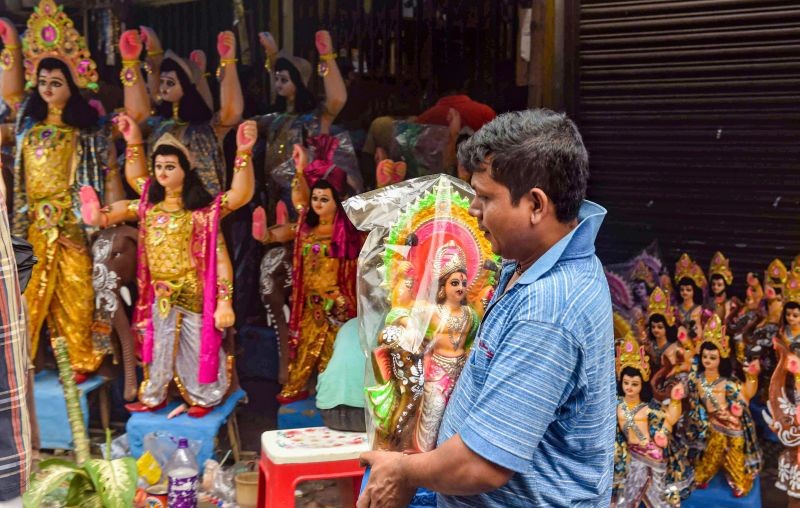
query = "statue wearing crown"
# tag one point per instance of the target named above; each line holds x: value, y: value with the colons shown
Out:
x: 719, y: 416
x: 437, y: 272
x: 691, y: 282
x: 720, y: 279
x: 649, y: 466
x: 324, y: 261
x: 668, y: 345
x: 60, y: 147
x: 184, y: 273
x: 182, y: 101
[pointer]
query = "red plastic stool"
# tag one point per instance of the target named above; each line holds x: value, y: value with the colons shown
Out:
x: 289, y: 457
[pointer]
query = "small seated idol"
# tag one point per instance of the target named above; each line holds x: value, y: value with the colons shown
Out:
x: 647, y: 468
x: 184, y: 271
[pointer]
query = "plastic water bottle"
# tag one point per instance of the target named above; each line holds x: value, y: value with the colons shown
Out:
x: 183, y: 473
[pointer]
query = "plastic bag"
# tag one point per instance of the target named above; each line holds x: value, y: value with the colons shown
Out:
x: 426, y: 274
x: 421, y: 146
x: 162, y: 445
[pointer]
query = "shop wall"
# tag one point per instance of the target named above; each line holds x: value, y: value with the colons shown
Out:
x: 691, y: 114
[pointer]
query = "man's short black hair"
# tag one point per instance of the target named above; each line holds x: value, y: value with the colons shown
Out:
x: 533, y: 148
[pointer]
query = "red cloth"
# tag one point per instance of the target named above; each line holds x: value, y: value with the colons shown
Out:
x: 474, y: 114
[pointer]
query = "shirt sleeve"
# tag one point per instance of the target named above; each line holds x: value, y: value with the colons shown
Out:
x: 534, y: 378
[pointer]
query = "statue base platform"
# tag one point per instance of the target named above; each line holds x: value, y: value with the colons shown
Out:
x: 299, y: 415
x: 203, y: 429
x: 719, y: 495
x: 51, y: 408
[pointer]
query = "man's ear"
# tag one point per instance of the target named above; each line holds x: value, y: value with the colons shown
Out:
x: 539, y: 203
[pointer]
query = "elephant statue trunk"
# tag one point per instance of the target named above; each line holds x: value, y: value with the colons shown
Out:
x: 114, y: 268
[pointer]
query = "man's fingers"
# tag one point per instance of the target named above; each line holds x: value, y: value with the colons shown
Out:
x: 365, y: 459
x: 364, y: 498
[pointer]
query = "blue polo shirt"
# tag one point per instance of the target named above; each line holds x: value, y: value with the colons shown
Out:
x: 538, y: 393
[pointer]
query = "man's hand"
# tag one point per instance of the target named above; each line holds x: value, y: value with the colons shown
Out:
x: 387, y: 486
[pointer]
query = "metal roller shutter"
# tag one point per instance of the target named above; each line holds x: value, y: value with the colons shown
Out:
x: 691, y: 114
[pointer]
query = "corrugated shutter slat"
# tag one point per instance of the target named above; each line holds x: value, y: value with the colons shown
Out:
x: 691, y: 114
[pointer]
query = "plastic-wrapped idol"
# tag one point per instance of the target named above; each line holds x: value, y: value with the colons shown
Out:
x: 426, y: 275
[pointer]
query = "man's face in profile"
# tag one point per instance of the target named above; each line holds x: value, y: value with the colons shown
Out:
x: 500, y: 220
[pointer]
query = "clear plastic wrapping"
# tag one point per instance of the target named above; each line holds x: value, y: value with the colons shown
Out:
x: 426, y: 274
x: 421, y: 146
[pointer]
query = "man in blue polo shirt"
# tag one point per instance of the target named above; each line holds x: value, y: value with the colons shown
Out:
x: 531, y: 420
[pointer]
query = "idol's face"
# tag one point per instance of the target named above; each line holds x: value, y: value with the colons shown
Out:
x: 170, y: 87
x: 717, y: 286
x: 455, y: 288
x: 323, y: 204
x: 686, y: 292
x: 659, y: 330
x: 792, y: 317
x: 53, y: 88
x: 631, y: 386
x: 284, y: 85
x: 168, y: 172
x: 710, y: 359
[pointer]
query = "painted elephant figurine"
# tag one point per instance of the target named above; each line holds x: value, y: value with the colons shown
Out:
x: 275, y: 286
x: 114, y: 268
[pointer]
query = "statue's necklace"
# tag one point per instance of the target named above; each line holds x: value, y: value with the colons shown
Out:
x: 454, y: 325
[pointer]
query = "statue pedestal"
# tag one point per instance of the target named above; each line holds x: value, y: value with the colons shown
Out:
x: 51, y: 408
x: 203, y: 429
x: 300, y: 414
x: 719, y: 495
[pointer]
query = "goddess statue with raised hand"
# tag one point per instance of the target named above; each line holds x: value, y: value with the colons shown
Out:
x: 60, y: 147
x: 184, y: 272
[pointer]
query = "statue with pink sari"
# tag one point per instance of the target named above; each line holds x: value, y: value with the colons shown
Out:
x: 184, y: 273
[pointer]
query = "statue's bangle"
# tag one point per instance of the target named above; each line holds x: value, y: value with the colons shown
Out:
x: 128, y: 75
x: 224, y: 290
x: 223, y: 63
x: 241, y: 161
x: 327, y: 57
x: 104, y: 214
x: 133, y: 152
x: 267, y: 63
x: 7, y: 57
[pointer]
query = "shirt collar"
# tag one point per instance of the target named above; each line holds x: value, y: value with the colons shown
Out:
x: 577, y: 243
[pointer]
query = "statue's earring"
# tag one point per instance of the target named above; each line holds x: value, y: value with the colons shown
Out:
x: 440, y: 294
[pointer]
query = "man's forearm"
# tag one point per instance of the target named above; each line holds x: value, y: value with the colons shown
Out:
x: 453, y: 469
